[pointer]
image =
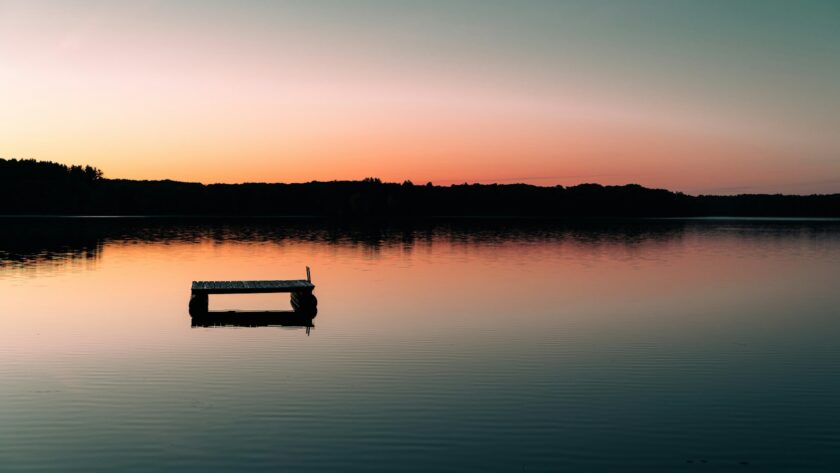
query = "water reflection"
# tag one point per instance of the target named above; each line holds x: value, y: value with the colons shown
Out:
x: 26, y: 241
x: 44, y: 242
x: 447, y: 346
x: 268, y: 318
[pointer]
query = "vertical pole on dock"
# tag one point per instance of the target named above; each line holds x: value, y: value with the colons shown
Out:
x: 308, y: 278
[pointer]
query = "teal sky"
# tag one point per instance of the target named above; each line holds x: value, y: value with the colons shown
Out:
x: 700, y: 96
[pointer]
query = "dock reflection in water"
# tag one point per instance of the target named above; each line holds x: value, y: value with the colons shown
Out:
x: 268, y: 318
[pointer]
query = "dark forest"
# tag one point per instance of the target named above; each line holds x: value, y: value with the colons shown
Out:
x: 44, y: 188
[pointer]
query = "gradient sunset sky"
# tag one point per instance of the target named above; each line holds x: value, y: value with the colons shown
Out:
x: 711, y: 96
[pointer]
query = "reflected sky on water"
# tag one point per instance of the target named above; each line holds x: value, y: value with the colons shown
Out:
x: 448, y: 346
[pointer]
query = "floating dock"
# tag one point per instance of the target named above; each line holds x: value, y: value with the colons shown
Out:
x: 300, y: 289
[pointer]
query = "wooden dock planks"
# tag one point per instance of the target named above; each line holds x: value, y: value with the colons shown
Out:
x: 303, y: 301
x: 251, y: 287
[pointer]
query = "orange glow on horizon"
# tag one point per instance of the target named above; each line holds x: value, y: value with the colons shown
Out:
x: 425, y: 148
x: 148, y: 92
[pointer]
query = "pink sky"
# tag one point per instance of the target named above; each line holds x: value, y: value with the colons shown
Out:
x: 228, y: 93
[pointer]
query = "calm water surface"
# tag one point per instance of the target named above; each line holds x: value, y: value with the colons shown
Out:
x: 479, y: 346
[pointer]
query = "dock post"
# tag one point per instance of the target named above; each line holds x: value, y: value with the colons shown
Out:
x: 308, y: 277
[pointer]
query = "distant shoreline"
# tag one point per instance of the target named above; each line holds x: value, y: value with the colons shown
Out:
x: 37, y: 188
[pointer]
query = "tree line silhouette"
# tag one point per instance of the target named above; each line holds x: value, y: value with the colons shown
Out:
x: 40, y: 187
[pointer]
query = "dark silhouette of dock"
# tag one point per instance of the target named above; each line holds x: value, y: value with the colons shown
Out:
x: 302, y: 299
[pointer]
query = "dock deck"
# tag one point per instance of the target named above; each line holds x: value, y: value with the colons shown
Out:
x: 303, y: 301
x: 251, y: 287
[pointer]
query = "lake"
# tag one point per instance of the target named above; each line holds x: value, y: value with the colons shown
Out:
x: 477, y: 345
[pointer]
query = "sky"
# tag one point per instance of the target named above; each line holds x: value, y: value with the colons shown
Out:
x: 711, y: 96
